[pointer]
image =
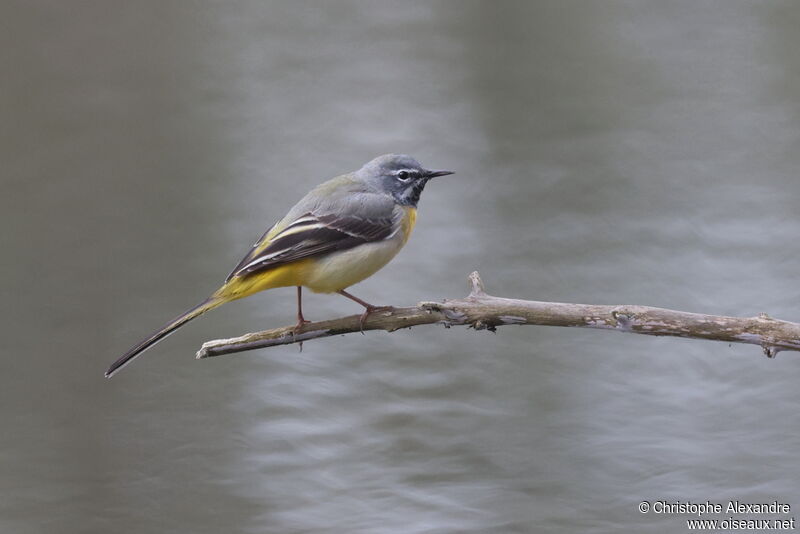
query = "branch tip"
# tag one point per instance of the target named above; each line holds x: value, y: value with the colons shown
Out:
x: 476, y: 285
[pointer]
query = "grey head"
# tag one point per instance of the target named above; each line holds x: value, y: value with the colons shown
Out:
x: 398, y: 175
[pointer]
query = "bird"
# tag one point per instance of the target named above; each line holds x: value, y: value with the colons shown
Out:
x: 342, y: 232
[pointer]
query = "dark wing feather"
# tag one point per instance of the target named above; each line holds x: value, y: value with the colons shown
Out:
x: 366, y: 229
x: 316, y: 235
x: 250, y: 255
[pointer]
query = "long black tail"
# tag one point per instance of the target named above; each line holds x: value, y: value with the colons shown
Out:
x: 161, y: 333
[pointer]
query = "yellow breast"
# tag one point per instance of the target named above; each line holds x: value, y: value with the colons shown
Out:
x: 408, y: 222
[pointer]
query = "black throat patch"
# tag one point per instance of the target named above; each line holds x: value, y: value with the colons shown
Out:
x: 410, y: 196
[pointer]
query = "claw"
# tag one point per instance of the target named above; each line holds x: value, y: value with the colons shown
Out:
x: 368, y: 311
x: 369, y: 308
x: 296, y: 330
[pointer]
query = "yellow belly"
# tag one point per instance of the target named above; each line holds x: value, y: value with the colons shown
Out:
x: 291, y: 274
x: 330, y: 273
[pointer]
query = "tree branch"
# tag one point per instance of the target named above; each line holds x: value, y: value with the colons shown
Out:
x: 482, y: 311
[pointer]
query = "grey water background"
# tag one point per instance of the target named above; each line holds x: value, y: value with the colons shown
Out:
x: 606, y: 152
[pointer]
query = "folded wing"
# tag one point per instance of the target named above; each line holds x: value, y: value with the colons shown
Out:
x: 313, y: 235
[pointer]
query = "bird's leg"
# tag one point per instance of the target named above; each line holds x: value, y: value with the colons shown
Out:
x: 300, y: 319
x: 369, y: 307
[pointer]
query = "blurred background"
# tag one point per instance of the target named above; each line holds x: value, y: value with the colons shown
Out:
x: 611, y: 152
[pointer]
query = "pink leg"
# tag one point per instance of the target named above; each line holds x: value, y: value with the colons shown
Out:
x: 300, y: 319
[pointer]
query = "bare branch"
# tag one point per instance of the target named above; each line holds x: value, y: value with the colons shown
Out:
x: 482, y: 311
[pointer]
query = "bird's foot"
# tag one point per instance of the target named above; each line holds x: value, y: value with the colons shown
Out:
x: 368, y: 308
x: 371, y: 309
x: 298, y: 328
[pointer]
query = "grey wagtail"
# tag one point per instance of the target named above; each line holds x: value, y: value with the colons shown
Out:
x: 340, y: 233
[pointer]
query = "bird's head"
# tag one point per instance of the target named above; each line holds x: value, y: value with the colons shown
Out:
x: 400, y: 176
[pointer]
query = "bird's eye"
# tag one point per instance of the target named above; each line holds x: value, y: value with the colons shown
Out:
x: 403, y: 175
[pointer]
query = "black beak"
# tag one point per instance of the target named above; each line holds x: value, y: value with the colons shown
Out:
x: 434, y: 174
